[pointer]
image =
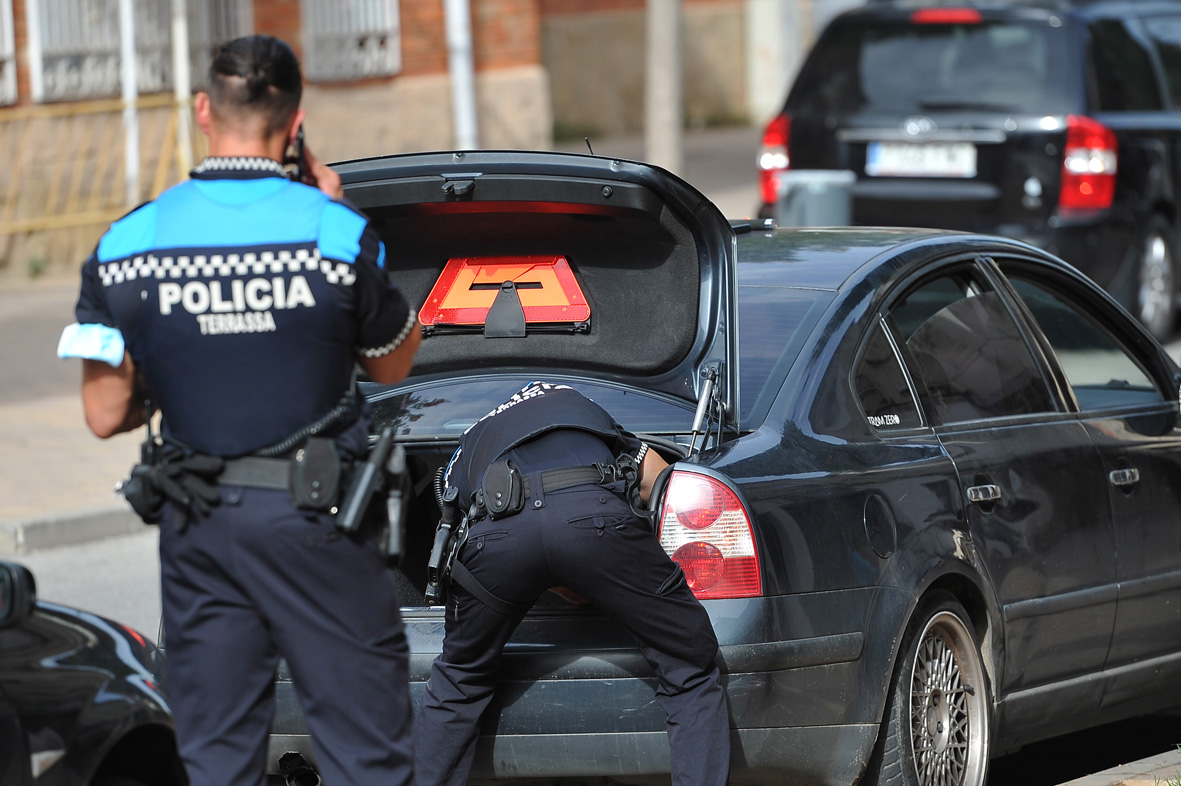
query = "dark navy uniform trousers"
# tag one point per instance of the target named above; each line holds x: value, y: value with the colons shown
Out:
x: 587, y: 539
x: 274, y: 580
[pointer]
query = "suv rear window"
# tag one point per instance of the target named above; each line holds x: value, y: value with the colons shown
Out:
x: 896, y: 65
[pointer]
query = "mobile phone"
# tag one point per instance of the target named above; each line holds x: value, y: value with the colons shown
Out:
x: 296, y: 161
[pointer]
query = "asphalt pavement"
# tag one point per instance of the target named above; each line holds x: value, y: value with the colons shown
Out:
x: 57, y: 480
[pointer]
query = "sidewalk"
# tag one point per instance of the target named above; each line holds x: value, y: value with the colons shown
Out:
x: 1162, y: 770
x: 56, y: 478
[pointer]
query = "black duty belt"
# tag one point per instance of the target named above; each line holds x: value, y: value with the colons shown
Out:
x: 568, y: 477
x: 256, y: 472
x: 504, y: 488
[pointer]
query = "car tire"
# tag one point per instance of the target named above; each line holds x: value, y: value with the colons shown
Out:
x: 1155, y: 296
x: 944, y: 740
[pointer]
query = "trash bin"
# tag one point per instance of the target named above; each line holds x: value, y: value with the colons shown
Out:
x: 815, y: 198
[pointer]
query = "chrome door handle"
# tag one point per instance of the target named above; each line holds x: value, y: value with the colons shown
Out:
x: 1124, y: 477
x: 985, y: 493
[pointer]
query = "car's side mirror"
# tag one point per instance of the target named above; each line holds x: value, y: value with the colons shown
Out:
x: 18, y: 594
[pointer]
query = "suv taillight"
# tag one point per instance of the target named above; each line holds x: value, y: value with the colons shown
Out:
x: 707, y: 531
x: 1088, y: 166
x: 774, y: 158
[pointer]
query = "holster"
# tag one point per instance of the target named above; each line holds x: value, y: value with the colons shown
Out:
x: 142, y: 495
x: 444, y: 549
x: 138, y: 489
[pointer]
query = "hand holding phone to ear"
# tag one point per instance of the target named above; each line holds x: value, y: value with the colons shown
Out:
x: 311, y: 171
x: 318, y: 174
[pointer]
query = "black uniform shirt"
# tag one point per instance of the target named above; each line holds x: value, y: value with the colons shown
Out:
x: 543, y: 426
x: 244, y: 299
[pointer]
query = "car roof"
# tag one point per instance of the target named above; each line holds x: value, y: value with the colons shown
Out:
x: 1027, y: 8
x: 834, y: 257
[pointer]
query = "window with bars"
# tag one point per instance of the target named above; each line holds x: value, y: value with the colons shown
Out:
x: 7, y: 55
x: 74, y: 44
x: 350, y: 39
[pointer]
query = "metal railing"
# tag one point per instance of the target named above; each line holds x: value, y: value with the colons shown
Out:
x: 74, y: 51
x: 64, y: 162
x: 350, y: 39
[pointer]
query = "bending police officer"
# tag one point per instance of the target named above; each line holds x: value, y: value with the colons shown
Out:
x: 567, y: 525
x: 240, y: 302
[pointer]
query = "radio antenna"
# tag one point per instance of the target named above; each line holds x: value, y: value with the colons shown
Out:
x: 588, y: 145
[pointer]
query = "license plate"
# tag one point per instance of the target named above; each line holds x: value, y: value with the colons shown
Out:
x: 917, y: 159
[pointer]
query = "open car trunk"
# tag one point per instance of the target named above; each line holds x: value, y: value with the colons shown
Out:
x: 651, y: 257
x: 652, y: 267
x: 642, y: 309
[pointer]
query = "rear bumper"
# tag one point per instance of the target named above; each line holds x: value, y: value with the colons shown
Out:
x: 810, y: 756
x: 805, y: 709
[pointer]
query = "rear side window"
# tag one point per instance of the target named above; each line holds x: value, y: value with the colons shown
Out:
x: 881, y: 385
x: 898, y: 66
x: 1165, y: 33
x: 1121, y: 70
x: 967, y: 350
x: 1101, y: 371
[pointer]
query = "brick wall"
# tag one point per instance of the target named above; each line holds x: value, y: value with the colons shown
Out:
x: 506, y: 33
x: 279, y: 18
x: 549, y: 7
x: 424, y: 37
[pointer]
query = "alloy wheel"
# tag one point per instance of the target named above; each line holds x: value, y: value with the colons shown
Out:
x: 1154, y: 300
x: 948, y: 725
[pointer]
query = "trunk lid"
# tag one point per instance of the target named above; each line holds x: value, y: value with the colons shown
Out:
x: 621, y: 271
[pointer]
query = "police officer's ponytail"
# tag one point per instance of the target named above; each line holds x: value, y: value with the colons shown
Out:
x: 269, y: 79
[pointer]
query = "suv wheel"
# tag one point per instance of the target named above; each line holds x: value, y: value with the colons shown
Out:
x: 1156, y: 302
x: 936, y: 730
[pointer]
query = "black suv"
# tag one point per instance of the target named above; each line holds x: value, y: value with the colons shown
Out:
x: 1052, y: 123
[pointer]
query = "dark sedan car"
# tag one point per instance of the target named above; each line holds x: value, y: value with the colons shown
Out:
x: 1053, y: 122
x: 80, y: 697
x: 926, y: 484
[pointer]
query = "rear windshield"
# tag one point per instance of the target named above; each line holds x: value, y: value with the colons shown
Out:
x: 441, y: 411
x: 773, y: 322
x: 894, y: 66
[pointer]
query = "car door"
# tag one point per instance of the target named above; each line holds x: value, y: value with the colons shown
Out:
x: 1033, y: 483
x: 1127, y: 398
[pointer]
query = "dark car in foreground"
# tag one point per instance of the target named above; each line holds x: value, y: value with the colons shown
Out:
x: 80, y: 697
x: 1052, y: 122
x: 925, y: 483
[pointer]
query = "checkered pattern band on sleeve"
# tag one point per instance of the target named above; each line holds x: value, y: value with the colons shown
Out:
x: 376, y: 352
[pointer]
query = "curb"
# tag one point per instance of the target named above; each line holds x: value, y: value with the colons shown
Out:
x: 1157, y: 770
x: 66, y: 529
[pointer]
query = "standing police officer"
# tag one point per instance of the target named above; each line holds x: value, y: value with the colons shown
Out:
x: 562, y: 522
x: 239, y: 301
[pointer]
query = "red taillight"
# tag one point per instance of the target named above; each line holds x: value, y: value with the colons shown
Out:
x: 1089, y: 164
x: 133, y: 633
x: 946, y: 16
x: 705, y: 528
x: 774, y: 159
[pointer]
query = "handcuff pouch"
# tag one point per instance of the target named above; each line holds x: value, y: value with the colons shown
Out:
x: 503, y: 489
x: 316, y: 475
